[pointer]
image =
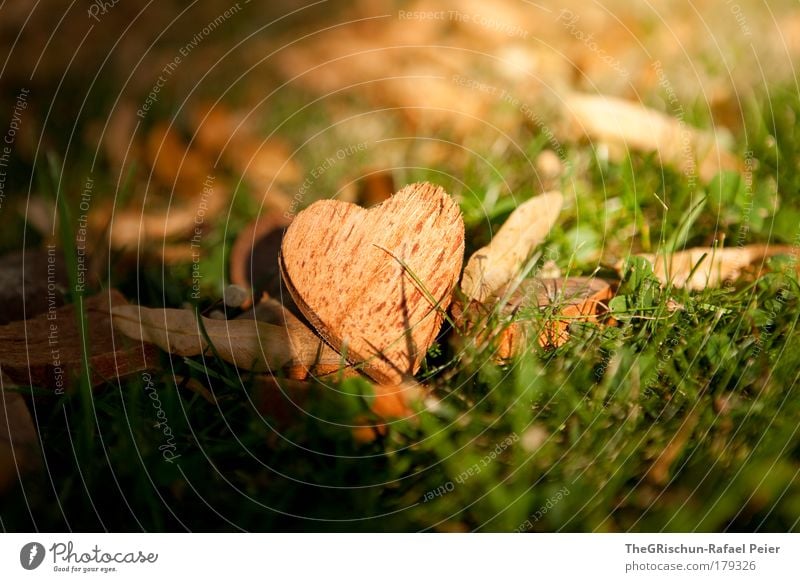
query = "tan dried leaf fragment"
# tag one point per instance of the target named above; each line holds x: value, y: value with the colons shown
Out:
x: 702, y: 267
x: 624, y: 125
x: 232, y: 135
x: 498, y: 263
x: 574, y: 299
x: 375, y: 283
x: 253, y: 261
x: 47, y: 350
x: 250, y: 345
x: 314, y: 356
x: 174, y: 163
x: 140, y: 225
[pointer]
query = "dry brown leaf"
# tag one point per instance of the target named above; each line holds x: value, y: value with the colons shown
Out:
x: 46, y: 351
x: 624, y: 125
x: 717, y: 266
x: 495, y: 265
x: 335, y: 60
x: 426, y: 98
x: 40, y: 213
x: 19, y: 441
x: 118, y: 141
x: 216, y: 126
x: 253, y: 261
x: 246, y: 343
x: 263, y: 162
x: 175, y: 253
x: 137, y: 226
x: 575, y: 298
x: 549, y: 166
x: 317, y: 357
x: 24, y: 278
x: 356, y: 275
x: 420, y: 88
x: 173, y: 163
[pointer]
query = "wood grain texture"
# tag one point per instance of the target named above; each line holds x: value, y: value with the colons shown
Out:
x: 344, y: 267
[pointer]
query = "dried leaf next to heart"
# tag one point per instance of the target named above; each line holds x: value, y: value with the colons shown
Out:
x: 540, y: 310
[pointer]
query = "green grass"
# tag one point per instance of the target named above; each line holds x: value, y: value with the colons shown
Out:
x: 712, y: 387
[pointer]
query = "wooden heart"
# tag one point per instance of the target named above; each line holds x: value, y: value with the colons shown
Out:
x: 375, y: 283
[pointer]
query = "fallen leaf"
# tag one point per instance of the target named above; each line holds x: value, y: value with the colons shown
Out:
x: 320, y: 358
x: 178, y: 332
x: 216, y: 126
x: 420, y: 89
x: 137, y: 225
x: 713, y: 265
x: 174, y: 253
x: 246, y: 343
x: 253, y: 262
x: 25, y: 277
x: 495, y: 265
x: 265, y: 162
x: 549, y: 167
x: 625, y: 125
x: 118, y: 140
x: 374, y: 283
x: 512, y: 327
x: 46, y: 351
x: 175, y: 164
x: 19, y: 441
x: 221, y: 132
x: 426, y: 98
x: 40, y: 213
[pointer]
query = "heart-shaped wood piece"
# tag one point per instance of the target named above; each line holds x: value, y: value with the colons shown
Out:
x: 375, y: 283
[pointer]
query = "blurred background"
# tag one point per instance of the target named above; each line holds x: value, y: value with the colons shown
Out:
x: 148, y: 100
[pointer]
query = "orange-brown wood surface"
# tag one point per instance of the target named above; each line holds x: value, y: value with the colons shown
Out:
x: 358, y: 275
